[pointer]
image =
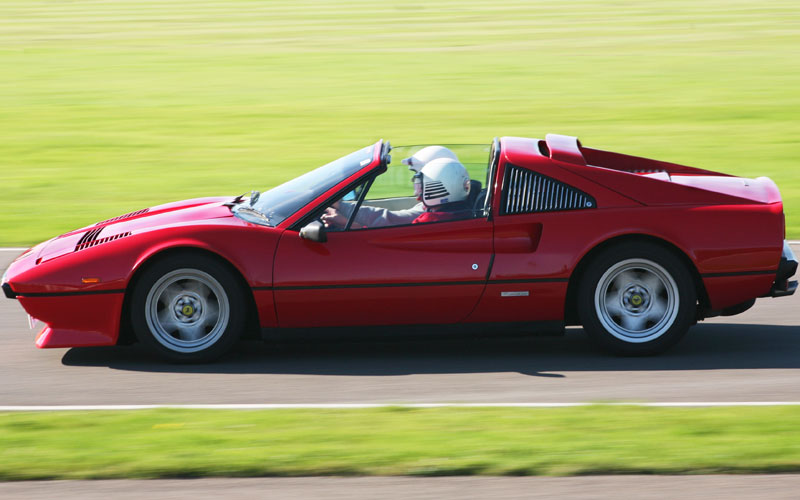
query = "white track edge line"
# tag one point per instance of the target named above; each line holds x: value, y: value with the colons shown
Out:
x: 337, y: 406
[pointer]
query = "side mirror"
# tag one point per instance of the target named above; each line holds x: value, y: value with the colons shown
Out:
x: 314, y: 231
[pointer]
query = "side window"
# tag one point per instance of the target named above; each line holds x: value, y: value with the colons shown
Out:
x: 390, y: 199
x: 338, y: 215
x: 526, y: 191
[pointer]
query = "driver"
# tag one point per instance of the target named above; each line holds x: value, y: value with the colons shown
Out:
x: 443, y: 187
x: 368, y: 216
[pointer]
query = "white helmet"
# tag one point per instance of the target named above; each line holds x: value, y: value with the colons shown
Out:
x: 441, y: 181
x: 427, y: 154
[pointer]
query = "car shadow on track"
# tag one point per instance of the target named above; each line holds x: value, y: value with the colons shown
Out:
x: 706, y: 347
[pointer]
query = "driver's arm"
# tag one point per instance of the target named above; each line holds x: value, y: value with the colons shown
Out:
x: 380, y: 217
x: 336, y: 215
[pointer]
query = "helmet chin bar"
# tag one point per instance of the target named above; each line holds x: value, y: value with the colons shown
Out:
x: 442, y: 181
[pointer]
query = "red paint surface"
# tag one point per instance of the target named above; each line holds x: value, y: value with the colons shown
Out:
x: 423, y: 273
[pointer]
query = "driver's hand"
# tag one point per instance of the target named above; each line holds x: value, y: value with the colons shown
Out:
x: 332, y: 218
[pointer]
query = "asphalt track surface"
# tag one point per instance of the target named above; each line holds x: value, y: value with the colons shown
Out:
x: 751, y: 357
x: 462, y: 488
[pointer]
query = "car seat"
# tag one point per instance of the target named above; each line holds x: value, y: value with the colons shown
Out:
x: 474, y: 192
x: 477, y: 198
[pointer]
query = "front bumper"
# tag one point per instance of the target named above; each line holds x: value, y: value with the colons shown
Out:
x: 786, y: 269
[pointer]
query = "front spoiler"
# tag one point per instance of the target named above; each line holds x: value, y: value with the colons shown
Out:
x: 786, y: 269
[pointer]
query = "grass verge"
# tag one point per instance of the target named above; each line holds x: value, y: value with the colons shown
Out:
x: 172, y: 443
x: 109, y: 107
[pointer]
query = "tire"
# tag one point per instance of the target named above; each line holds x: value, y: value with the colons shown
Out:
x: 188, y: 309
x: 637, y: 299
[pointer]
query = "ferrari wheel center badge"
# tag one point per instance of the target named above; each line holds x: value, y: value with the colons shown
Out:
x: 636, y: 300
x: 187, y: 310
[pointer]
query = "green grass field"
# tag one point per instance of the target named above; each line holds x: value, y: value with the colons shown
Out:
x: 112, y: 106
x: 399, y: 441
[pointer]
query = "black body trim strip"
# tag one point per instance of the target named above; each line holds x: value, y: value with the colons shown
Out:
x: 379, y: 285
x: 538, y: 280
x: 403, y: 285
x: 742, y: 273
x: 69, y: 294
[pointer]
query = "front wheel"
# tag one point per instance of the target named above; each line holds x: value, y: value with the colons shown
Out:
x: 188, y: 308
x: 637, y: 299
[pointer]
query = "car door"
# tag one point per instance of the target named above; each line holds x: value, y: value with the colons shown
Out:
x: 411, y: 274
x: 536, y: 227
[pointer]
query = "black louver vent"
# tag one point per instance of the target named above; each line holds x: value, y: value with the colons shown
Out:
x: 435, y: 189
x: 531, y: 192
x: 126, y: 216
x: 90, y: 239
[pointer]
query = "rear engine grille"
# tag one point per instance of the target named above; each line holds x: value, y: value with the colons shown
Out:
x: 126, y: 216
x: 529, y: 192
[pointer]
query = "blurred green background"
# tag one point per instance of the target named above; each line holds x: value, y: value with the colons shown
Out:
x: 108, y: 107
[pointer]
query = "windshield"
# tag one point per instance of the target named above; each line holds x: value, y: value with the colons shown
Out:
x: 277, y: 204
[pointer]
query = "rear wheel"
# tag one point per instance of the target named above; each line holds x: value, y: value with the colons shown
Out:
x: 188, y: 308
x: 637, y: 299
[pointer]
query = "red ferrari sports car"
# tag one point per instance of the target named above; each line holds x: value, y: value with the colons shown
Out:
x: 547, y: 233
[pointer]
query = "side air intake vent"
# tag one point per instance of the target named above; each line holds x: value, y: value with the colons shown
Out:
x: 90, y: 239
x: 126, y: 216
x: 531, y: 192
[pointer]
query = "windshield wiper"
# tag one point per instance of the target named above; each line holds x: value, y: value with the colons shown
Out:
x: 254, y: 195
x: 236, y: 200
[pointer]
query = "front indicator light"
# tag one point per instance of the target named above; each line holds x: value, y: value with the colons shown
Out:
x: 90, y: 280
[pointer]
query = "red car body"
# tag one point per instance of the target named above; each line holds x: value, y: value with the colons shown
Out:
x: 504, y: 267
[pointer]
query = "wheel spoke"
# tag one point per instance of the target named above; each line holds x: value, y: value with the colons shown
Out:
x: 633, y: 323
x: 657, y: 310
x: 199, y: 288
x: 166, y: 320
x: 193, y: 332
x: 653, y: 283
x: 623, y: 280
x: 169, y: 294
x: 211, y: 314
x: 612, y: 305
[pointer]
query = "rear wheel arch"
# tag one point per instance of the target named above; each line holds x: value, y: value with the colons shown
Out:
x: 571, y: 305
x: 127, y: 336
